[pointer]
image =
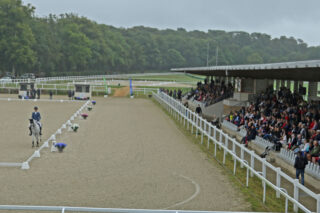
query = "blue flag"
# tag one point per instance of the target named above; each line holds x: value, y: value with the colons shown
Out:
x: 131, y: 91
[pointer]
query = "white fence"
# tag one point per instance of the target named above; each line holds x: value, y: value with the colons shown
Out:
x: 144, y: 91
x: 64, y: 209
x: 219, y: 139
x: 120, y: 76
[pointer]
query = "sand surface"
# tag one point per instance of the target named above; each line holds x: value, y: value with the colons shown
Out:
x: 127, y: 154
x: 15, y: 143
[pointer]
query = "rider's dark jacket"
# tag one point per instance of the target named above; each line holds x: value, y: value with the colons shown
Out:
x: 36, y: 116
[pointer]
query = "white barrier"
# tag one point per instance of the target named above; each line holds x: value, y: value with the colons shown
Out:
x: 63, y: 209
x: 203, y: 127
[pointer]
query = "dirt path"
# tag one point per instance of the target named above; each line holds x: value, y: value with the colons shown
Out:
x: 128, y: 154
x: 121, y: 92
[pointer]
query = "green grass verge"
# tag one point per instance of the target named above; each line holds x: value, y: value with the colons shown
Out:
x: 252, y: 194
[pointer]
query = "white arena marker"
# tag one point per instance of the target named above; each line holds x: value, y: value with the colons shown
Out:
x: 25, y: 166
x: 53, y: 137
x: 35, y: 100
x: 64, y: 126
x: 72, y: 118
x: 36, y: 154
x: 46, y: 144
x: 9, y: 99
x: 61, y: 101
x: 59, y: 131
x: 53, y: 147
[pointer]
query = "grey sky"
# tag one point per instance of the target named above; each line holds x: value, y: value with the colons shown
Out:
x: 297, y: 18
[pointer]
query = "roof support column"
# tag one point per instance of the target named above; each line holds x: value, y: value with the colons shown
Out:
x: 313, y: 90
x: 227, y: 80
x: 296, y: 86
x: 277, y: 85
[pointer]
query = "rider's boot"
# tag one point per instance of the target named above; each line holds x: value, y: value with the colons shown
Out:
x: 30, y: 131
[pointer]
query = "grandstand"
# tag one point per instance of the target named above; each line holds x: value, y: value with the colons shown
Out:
x: 280, y: 100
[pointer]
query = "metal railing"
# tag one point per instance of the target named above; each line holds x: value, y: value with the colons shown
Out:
x: 144, y: 91
x: 63, y: 209
x: 88, y: 77
x: 218, y: 138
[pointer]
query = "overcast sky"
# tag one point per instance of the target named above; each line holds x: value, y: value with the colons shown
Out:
x: 297, y: 18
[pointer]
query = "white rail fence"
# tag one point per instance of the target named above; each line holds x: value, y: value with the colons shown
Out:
x: 36, y: 154
x: 196, y: 124
x: 287, y: 155
x: 120, y: 76
x: 64, y: 209
x: 144, y: 91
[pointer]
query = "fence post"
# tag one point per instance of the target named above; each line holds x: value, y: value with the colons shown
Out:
x: 224, y: 155
x: 278, y: 170
x: 252, y: 161
x: 204, y: 126
x: 197, y: 125
x: 241, y: 154
x: 295, y: 194
x: 189, y: 119
x: 264, y: 170
x: 318, y: 204
x: 208, y: 143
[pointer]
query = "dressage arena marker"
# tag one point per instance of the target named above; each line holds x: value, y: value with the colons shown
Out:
x: 25, y: 165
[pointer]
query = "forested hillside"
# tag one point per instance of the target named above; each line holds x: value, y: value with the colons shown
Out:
x: 72, y: 45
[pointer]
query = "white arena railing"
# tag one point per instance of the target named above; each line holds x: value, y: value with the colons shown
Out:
x: 64, y: 209
x: 218, y: 138
x: 88, y: 77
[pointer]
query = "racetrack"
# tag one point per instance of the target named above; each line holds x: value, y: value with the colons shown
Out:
x: 128, y: 154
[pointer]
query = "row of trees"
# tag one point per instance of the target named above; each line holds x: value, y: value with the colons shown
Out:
x: 69, y: 44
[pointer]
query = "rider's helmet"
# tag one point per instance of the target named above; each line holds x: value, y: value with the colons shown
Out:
x: 35, y: 108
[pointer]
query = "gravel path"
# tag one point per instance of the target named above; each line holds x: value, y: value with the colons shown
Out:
x: 128, y: 154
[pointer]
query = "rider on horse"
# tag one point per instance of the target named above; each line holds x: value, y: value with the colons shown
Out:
x: 37, y: 117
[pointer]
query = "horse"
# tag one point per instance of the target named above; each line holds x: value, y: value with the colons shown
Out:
x: 35, y: 130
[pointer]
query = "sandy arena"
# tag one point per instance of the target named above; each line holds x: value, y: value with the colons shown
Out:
x: 128, y: 154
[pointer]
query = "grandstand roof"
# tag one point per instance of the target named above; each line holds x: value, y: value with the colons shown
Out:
x: 299, y: 70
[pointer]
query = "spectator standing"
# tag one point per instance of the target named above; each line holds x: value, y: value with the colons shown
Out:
x: 198, y: 110
x: 300, y: 164
x: 50, y: 94
x: 38, y: 93
x: 69, y: 94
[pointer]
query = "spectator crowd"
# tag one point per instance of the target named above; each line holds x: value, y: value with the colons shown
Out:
x: 211, y: 92
x: 283, y: 118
